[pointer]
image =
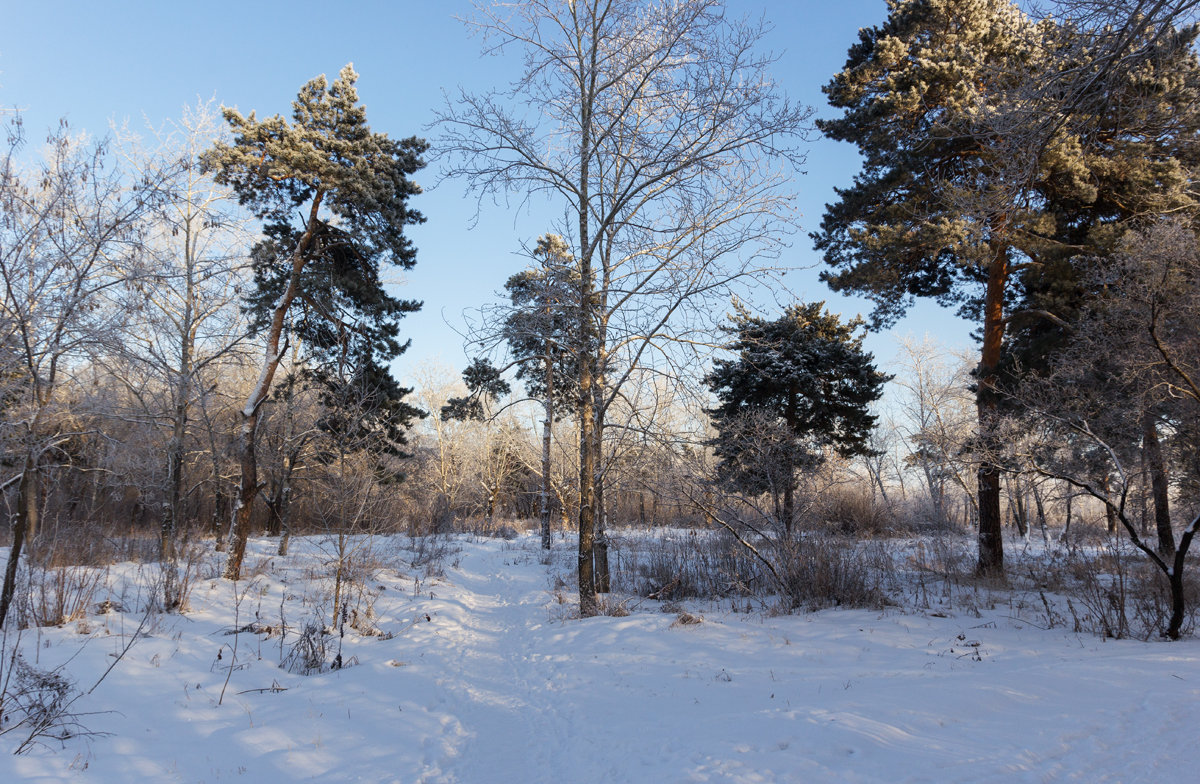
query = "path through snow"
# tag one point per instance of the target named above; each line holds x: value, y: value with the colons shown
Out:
x: 496, y: 687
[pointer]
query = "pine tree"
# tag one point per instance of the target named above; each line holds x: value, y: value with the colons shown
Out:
x: 319, y: 277
x: 939, y: 101
x: 800, y: 384
x: 541, y: 328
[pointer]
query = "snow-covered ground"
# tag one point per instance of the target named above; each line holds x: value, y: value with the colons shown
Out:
x: 486, y: 679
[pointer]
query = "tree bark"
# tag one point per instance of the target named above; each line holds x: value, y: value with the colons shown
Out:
x: 1020, y: 510
x: 991, y: 541
x: 1110, y: 514
x: 24, y: 524
x: 547, y: 435
x: 588, y: 68
x: 588, y: 605
x: 789, y: 472
x: 244, y: 506
x: 1159, y: 485
x: 1066, y: 532
x: 603, y: 576
x: 1041, y: 513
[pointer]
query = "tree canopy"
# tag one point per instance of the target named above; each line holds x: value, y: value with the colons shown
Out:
x: 804, y: 384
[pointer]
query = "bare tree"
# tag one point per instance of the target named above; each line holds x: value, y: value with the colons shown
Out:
x: 441, y: 449
x: 183, y: 305
x: 70, y: 229
x: 1149, y: 306
x: 658, y: 130
x: 937, y: 419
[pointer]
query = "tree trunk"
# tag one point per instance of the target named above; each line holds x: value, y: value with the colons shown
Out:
x: 991, y: 541
x: 1175, y: 576
x: 1066, y: 534
x: 876, y: 472
x: 1041, y: 514
x: 244, y: 506
x: 603, y: 577
x: 1020, y: 512
x: 1110, y: 514
x: 789, y: 506
x: 281, y: 505
x: 24, y: 523
x: 789, y: 472
x: 588, y: 604
x: 171, y: 511
x: 285, y: 522
x: 936, y: 494
x: 1159, y: 485
x: 547, y: 434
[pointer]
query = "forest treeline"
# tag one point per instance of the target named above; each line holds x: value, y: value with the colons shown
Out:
x: 196, y: 324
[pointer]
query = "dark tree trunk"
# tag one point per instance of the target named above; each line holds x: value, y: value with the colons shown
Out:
x: 547, y: 433
x: 172, y: 511
x: 219, y: 515
x: 603, y: 576
x: 588, y: 604
x: 1159, y: 486
x: 1175, y: 577
x: 991, y: 541
x: 789, y: 470
x: 1066, y: 534
x: 24, y: 525
x: 1110, y: 514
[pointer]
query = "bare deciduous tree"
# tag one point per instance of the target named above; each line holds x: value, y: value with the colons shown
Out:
x: 1149, y: 306
x: 659, y: 132
x: 182, y: 307
x: 937, y: 419
x: 69, y: 232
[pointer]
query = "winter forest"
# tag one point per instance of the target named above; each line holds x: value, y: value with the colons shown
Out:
x: 668, y: 516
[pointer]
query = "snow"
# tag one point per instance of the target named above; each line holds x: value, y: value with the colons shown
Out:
x: 501, y: 685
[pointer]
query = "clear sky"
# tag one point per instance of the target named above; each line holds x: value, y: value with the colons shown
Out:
x: 126, y: 60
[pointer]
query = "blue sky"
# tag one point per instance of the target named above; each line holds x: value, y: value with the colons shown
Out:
x: 122, y: 60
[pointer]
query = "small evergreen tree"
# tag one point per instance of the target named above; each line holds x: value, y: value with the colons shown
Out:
x: 800, y: 384
x: 541, y: 328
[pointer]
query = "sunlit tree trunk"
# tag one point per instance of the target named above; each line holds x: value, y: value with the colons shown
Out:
x: 991, y: 542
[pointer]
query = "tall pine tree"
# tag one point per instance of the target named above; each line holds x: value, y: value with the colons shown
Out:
x: 936, y: 99
x: 318, y: 276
